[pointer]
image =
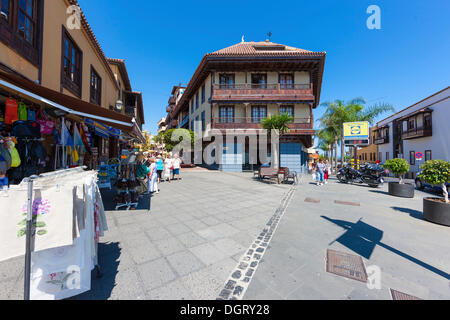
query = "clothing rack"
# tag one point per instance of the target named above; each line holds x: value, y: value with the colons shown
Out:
x: 30, y: 181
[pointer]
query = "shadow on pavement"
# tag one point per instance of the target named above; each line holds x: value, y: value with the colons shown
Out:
x: 362, y: 238
x: 380, y: 192
x: 108, y: 259
x: 413, y: 213
x: 109, y: 204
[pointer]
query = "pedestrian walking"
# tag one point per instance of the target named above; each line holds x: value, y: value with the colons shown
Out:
x: 176, y: 167
x: 320, y: 172
x: 327, y: 171
x: 168, y: 168
x: 159, y: 167
x: 153, y: 177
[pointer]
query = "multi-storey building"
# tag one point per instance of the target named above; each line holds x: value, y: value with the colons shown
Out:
x: 422, y: 127
x: 237, y: 87
x: 50, y: 57
x: 369, y: 153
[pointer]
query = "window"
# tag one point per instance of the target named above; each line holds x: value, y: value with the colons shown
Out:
x: 226, y: 114
x: 192, y: 106
x: 371, y: 156
x: 71, y: 66
x: 27, y: 20
x: 387, y: 155
x: 427, y: 120
x: 411, y: 124
x: 226, y: 80
x: 287, y: 81
x: 5, y: 9
x: 259, y: 113
x: 412, y: 158
x: 428, y: 155
x: 203, y: 94
x: 96, y: 87
x: 197, y: 101
x: 259, y: 80
x: 287, y: 109
x: 203, y: 121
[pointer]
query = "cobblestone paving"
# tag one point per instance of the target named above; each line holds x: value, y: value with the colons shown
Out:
x: 185, y: 247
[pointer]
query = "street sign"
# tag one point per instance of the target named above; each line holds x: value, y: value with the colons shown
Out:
x: 356, y: 133
x: 419, y: 156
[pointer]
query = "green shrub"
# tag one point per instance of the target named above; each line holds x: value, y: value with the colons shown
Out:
x: 397, y: 166
x: 437, y: 172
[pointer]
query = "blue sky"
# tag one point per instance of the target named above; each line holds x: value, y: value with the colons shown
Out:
x: 164, y: 41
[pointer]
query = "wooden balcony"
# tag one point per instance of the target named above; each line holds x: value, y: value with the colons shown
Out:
x: 299, y: 124
x: 417, y: 133
x: 380, y: 140
x: 262, y: 92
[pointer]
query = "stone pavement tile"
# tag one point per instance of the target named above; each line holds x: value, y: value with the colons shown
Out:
x: 277, y: 279
x: 225, y: 230
x: 184, y: 262
x: 195, y: 224
x: 305, y: 292
x: 131, y: 229
x: 199, y: 213
x: 209, y: 234
x: 409, y: 286
x: 125, y: 219
x: 191, y: 239
x: 144, y: 253
x: 244, y: 238
x: 229, y: 246
x: 128, y: 286
x: 137, y: 239
x: 174, y: 290
x: 225, y: 217
x: 203, y: 285
x: 211, y: 221
x: 7, y: 289
x: 367, y: 294
x: 169, y: 246
x: 223, y: 268
x: 113, y: 262
x: 177, y: 229
x: 156, y: 273
x: 167, y: 220
x: 158, y: 233
x: 182, y: 217
x: 258, y: 290
x: 208, y: 253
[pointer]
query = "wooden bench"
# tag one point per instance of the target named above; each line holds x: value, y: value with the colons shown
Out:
x: 269, y: 172
x: 289, y: 175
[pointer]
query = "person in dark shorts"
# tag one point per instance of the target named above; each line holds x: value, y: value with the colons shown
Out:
x: 159, y: 167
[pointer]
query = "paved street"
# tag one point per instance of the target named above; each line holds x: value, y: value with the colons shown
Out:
x: 191, y: 243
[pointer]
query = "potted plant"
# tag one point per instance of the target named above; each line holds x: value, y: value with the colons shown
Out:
x: 437, y: 210
x: 399, y: 167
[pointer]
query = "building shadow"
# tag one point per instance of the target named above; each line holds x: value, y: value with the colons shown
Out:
x: 362, y: 239
x: 108, y: 260
x: 413, y: 213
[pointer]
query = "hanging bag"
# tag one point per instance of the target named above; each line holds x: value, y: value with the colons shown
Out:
x: 31, y: 114
x: 15, y: 158
x: 22, y: 111
x: 11, y: 112
x: 46, y: 125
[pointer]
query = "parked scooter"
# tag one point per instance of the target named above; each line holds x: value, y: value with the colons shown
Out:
x: 371, y: 174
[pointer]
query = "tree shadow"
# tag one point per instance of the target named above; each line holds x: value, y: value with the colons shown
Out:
x: 362, y: 239
x: 108, y: 260
x: 413, y: 213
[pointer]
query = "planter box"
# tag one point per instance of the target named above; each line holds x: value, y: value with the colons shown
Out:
x: 405, y: 190
x: 436, y: 211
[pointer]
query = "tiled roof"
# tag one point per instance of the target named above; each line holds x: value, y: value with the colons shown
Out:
x: 123, y: 70
x: 263, y: 48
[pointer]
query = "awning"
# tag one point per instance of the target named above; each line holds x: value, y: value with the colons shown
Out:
x: 102, y: 129
x: 64, y: 102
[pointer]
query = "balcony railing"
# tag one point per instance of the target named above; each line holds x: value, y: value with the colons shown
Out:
x: 169, y: 109
x: 417, y: 133
x: 130, y: 111
x: 266, y: 91
x: 255, y: 123
x: 380, y: 140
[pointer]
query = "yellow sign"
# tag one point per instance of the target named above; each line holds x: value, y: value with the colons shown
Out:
x: 356, y: 130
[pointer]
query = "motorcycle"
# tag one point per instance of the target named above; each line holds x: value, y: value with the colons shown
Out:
x: 371, y: 174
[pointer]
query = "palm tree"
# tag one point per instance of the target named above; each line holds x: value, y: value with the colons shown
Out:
x: 338, y: 113
x: 331, y: 126
x: 326, y: 141
x: 278, y: 123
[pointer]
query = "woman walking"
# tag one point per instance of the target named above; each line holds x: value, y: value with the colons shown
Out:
x: 168, y: 168
x: 327, y: 171
x: 153, y: 177
x: 176, y: 167
x: 320, y: 172
x: 159, y: 168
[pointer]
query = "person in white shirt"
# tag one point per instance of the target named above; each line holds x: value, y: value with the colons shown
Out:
x: 176, y: 167
x: 168, y: 168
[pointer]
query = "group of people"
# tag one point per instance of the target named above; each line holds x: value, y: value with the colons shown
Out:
x: 321, y: 172
x: 162, y: 168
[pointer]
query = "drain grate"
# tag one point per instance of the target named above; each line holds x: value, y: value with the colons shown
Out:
x: 346, y: 265
x: 312, y: 200
x: 397, y: 295
x: 355, y: 204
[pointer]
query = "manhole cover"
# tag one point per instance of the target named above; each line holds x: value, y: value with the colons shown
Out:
x: 346, y: 265
x: 356, y: 204
x: 312, y: 200
x: 397, y: 295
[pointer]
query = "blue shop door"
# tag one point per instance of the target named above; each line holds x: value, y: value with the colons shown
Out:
x: 232, y: 157
x: 291, y: 156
